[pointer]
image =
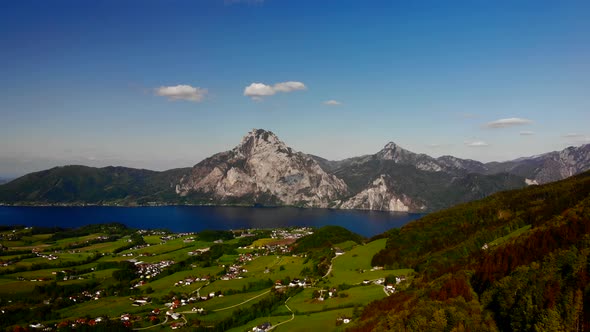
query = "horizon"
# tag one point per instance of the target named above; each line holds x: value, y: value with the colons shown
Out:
x: 161, y: 85
x: 12, y: 177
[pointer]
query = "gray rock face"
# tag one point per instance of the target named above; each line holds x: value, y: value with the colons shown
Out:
x: 394, y: 152
x: 466, y: 165
x: 548, y: 167
x: 263, y: 166
x: 380, y: 195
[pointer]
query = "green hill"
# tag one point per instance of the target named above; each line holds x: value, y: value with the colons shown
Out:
x: 82, y: 184
x: 515, y: 261
x: 326, y: 237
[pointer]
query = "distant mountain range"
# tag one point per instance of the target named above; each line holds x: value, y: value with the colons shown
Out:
x: 262, y: 170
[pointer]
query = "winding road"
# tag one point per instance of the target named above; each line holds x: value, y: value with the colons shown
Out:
x: 292, y: 315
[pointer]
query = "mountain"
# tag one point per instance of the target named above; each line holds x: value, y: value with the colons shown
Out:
x: 4, y: 180
x: 82, y: 184
x: 547, y: 167
x: 262, y: 169
x: 514, y: 261
x: 395, y: 179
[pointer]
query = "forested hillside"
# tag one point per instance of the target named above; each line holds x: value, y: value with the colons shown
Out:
x: 515, y: 261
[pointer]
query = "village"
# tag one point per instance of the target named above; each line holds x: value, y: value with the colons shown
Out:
x: 209, y: 290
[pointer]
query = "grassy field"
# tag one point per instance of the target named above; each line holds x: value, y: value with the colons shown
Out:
x: 321, y: 321
x: 274, y: 320
x: 291, y: 267
x: 106, y: 247
x: 361, y: 295
x: 107, y: 306
x: 351, y: 268
x: 217, y: 303
x: 263, y: 242
x: 507, y: 237
x: 355, y: 265
x: 164, y: 285
x: 346, y: 246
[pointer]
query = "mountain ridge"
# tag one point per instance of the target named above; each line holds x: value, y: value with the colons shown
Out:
x: 263, y: 170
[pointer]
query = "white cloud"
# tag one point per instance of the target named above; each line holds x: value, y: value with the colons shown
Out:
x: 332, y: 102
x: 576, y: 138
x: 476, y: 144
x: 182, y: 92
x: 508, y: 122
x: 259, y: 90
x: 526, y: 133
x: 289, y: 86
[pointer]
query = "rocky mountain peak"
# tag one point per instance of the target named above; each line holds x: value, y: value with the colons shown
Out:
x: 392, y: 151
x: 263, y: 169
x: 260, y: 140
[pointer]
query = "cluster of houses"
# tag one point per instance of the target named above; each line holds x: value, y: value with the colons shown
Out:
x: 323, y: 294
x: 294, y: 283
x: 150, y: 270
x: 291, y: 233
x: 169, y: 237
x: 188, y: 281
x: 72, y: 324
x: 198, y: 251
x: 38, y: 252
x: 86, y: 296
x: 235, y: 270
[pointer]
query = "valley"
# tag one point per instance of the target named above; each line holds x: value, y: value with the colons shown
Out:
x: 118, y: 278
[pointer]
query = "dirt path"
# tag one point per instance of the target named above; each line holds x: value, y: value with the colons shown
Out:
x: 233, y: 306
x: 151, y: 327
x: 330, y: 269
x: 292, y: 316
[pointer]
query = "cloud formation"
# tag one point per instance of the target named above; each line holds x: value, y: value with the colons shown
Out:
x: 476, y: 144
x: 526, y: 133
x: 572, y: 135
x: 576, y: 138
x: 332, y: 102
x: 182, y: 92
x: 257, y: 91
x: 508, y: 122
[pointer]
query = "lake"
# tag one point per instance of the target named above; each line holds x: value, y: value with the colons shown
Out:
x: 198, y: 218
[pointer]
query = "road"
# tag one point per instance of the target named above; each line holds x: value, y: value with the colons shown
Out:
x: 292, y: 316
x: 330, y: 269
x: 233, y: 306
x: 151, y: 327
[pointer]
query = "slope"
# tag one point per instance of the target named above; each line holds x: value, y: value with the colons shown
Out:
x: 536, y: 279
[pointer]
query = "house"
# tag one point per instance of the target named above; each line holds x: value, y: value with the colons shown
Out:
x: 262, y: 327
x: 338, y: 251
x: 177, y: 325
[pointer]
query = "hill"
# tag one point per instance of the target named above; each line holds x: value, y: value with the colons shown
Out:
x: 517, y: 260
x: 82, y: 184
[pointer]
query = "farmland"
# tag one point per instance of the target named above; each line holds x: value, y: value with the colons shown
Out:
x: 109, y: 275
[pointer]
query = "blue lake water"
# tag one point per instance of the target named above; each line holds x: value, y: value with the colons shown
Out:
x: 198, y: 218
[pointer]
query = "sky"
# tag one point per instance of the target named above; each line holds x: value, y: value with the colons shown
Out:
x: 164, y: 84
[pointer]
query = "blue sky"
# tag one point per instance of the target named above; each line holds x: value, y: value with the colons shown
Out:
x: 162, y: 84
